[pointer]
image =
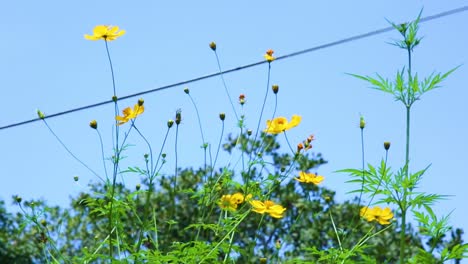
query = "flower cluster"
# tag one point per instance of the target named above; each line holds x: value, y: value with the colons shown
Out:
x: 383, y: 216
x: 105, y: 32
x: 269, y: 207
x: 309, y: 178
x: 281, y: 124
x: 306, y: 144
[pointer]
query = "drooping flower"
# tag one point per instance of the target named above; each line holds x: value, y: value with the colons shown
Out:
x: 309, y: 178
x: 269, y: 207
x: 281, y: 124
x: 129, y: 114
x: 383, y: 216
x: 231, y: 201
x: 105, y: 32
x: 269, y: 55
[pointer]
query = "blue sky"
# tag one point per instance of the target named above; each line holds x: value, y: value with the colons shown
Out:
x: 46, y: 64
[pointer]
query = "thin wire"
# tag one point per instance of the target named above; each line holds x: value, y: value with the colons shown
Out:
x: 324, y: 46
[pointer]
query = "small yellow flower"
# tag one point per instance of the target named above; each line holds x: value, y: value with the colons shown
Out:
x: 383, y: 216
x: 105, y: 32
x: 231, y: 201
x: 269, y: 207
x: 309, y: 178
x: 269, y: 55
x: 281, y: 124
x: 129, y: 113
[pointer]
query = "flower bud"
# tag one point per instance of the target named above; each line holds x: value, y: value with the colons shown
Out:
x: 263, y: 260
x: 299, y: 147
x: 43, y: 222
x: 283, y: 169
x: 163, y: 155
x: 278, y: 244
x: 170, y: 123
x: 138, y: 187
x: 146, y: 156
x: 76, y: 178
x: 275, y: 88
x: 186, y: 90
x: 114, y: 98
x: 362, y: 123
x: 213, y: 46
x: 242, y: 99
x: 141, y: 101
x: 17, y: 198
x: 249, y: 132
x: 386, y: 145
x: 40, y: 114
x: 222, y: 116
x: 93, y: 124
x: 178, y: 117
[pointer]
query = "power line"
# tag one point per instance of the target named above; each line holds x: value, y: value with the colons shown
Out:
x: 297, y: 53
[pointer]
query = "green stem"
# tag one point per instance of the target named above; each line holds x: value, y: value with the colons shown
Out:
x: 225, y: 86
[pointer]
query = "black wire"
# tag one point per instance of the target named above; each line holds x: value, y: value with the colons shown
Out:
x: 327, y: 45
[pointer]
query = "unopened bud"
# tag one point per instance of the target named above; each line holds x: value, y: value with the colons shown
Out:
x: 178, y: 117
x: 146, y: 156
x: 186, y: 90
x: 76, y: 178
x: 278, y: 244
x: 249, y: 132
x: 43, y: 222
x: 114, y: 98
x: 300, y: 146
x: 275, y: 88
x: 263, y: 260
x: 17, y: 198
x: 362, y: 123
x: 222, y: 116
x: 283, y: 169
x: 170, y: 123
x: 138, y: 187
x: 386, y: 145
x: 40, y: 114
x: 141, y: 101
x: 163, y: 155
x: 242, y: 99
x: 93, y: 124
x: 213, y: 46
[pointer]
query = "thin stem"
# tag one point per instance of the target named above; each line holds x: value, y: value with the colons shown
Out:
x: 149, y: 146
x: 204, y: 144
x: 176, y: 171
x: 69, y: 152
x: 225, y: 86
x: 287, y: 141
x: 264, y: 102
x: 362, y: 165
x: 102, y: 154
x: 160, y: 153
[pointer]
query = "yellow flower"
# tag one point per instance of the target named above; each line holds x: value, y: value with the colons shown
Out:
x: 281, y: 124
x: 105, y: 32
x: 383, y: 216
x: 309, y: 178
x: 129, y: 113
x: 269, y: 55
x: 269, y: 207
x: 231, y: 201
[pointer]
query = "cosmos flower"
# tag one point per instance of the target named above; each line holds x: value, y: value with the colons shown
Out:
x: 269, y: 207
x: 129, y: 114
x: 269, y: 55
x: 383, y: 216
x: 231, y: 201
x: 281, y: 124
x: 309, y: 178
x: 105, y: 32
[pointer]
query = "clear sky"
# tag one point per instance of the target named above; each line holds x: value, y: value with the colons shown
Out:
x: 46, y: 64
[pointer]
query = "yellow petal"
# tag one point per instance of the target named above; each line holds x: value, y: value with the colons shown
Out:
x: 295, y: 120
